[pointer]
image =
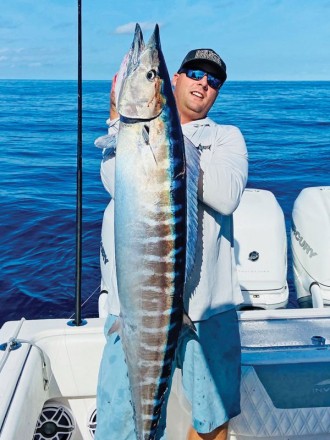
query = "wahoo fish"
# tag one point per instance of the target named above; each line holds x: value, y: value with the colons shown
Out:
x: 155, y: 228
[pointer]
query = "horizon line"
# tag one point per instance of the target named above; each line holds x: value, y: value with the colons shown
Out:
x: 227, y: 81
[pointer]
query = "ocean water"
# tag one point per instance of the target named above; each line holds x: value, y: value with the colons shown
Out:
x: 286, y: 126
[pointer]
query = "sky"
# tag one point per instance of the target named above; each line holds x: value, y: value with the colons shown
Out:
x: 257, y: 39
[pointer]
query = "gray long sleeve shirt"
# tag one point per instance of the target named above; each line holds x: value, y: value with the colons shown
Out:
x: 213, y: 287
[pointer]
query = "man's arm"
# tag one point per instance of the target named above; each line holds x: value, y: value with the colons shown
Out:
x: 113, y: 109
x: 223, y: 178
x: 107, y: 170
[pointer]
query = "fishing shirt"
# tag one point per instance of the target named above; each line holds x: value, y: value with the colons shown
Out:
x: 213, y: 286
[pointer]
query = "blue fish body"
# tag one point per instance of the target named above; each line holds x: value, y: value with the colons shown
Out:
x: 150, y: 231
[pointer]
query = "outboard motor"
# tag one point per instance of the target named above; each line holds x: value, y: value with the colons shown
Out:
x: 310, y: 242
x: 260, y: 244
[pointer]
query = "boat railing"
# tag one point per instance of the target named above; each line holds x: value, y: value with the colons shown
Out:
x: 15, y: 343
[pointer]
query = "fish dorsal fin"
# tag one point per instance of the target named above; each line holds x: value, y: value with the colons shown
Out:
x: 193, y: 169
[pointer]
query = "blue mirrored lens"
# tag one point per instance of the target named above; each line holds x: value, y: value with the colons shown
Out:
x: 197, y: 75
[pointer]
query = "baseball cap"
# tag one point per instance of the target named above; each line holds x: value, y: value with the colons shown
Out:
x: 207, y: 60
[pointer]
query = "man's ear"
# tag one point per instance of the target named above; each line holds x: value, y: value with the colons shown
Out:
x: 175, y: 78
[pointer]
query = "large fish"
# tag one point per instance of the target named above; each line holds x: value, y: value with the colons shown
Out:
x: 155, y: 218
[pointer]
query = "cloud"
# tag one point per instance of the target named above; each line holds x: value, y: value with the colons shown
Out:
x: 28, y: 57
x: 129, y: 28
x: 12, y: 51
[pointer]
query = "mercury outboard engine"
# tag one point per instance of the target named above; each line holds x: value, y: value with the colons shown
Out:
x: 310, y: 241
x: 260, y: 244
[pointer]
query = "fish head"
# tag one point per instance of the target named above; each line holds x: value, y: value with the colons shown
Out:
x: 142, y: 95
x: 134, y: 52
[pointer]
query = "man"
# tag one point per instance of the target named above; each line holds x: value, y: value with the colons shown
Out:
x: 210, y: 358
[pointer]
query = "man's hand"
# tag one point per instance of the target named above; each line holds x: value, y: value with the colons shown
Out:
x: 113, y: 109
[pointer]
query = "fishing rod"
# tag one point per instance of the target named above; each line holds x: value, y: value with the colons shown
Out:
x: 77, y: 320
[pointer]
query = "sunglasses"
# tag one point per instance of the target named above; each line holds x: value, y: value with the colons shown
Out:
x: 197, y: 75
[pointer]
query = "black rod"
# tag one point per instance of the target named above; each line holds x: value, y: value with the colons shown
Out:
x: 78, y: 320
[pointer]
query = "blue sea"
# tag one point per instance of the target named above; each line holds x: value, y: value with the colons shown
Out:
x: 286, y: 126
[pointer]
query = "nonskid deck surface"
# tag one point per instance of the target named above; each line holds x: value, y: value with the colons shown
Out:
x: 285, y: 390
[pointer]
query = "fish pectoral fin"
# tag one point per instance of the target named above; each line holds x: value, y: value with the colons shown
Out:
x: 146, y: 138
x: 153, y: 155
x: 145, y: 133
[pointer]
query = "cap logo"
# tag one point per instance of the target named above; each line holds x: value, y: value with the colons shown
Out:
x: 208, y: 55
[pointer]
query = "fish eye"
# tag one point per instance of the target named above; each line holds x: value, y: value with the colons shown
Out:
x: 151, y: 75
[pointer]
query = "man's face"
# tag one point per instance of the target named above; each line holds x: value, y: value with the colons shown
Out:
x: 193, y: 98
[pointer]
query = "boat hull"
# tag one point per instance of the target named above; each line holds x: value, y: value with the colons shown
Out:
x: 285, y: 391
